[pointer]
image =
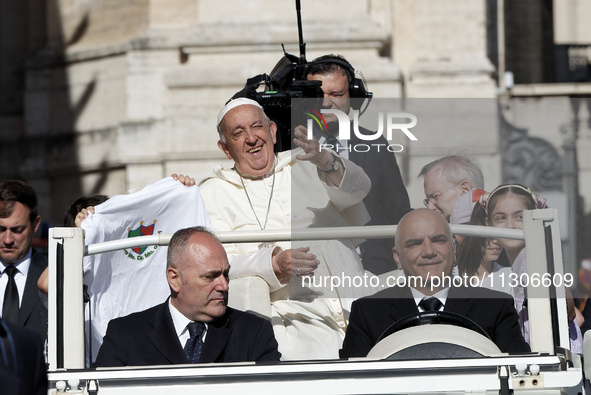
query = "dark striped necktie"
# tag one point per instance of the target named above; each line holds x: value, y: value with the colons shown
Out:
x: 194, y: 343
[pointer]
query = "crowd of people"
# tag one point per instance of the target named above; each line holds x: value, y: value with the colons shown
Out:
x: 186, y: 317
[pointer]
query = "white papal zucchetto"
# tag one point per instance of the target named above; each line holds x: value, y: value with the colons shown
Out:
x: 233, y: 104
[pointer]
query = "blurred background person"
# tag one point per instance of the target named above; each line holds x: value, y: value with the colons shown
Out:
x: 453, y: 184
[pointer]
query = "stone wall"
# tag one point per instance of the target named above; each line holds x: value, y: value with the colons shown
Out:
x: 104, y: 96
x: 126, y: 93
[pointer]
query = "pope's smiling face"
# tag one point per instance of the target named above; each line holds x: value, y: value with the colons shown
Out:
x: 249, y: 140
x: 424, y: 246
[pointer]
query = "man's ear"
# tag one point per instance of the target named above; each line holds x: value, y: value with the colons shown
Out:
x: 396, y: 258
x: 174, y: 278
x: 224, y: 148
x: 36, y: 223
x: 465, y: 186
x: 273, y: 130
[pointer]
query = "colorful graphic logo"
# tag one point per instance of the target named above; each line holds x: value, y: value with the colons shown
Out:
x: 316, y: 116
x: 141, y: 230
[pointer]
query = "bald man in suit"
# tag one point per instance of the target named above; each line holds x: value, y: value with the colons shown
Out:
x: 197, y: 273
x: 424, y: 250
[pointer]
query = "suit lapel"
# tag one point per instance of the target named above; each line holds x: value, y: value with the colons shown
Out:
x: 354, y: 156
x: 402, y: 303
x: 218, y: 333
x: 164, y: 336
x: 31, y: 294
x: 457, y: 302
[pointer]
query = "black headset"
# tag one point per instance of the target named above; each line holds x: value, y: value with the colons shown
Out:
x: 357, y: 89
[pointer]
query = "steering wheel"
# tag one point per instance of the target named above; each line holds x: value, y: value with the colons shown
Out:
x: 455, y: 336
x: 433, y: 317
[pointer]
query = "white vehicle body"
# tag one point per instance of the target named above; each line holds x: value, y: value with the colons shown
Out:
x: 550, y: 368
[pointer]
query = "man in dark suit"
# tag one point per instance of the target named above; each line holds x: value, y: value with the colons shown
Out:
x: 194, y: 324
x: 22, y: 362
x: 21, y: 266
x: 425, y: 251
x: 387, y: 200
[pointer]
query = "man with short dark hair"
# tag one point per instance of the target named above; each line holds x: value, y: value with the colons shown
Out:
x: 20, y: 264
x: 387, y: 200
x: 425, y: 252
x: 194, y: 325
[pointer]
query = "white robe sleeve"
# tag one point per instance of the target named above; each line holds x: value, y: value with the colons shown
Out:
x: 354, y: 187
x: 258, y: 263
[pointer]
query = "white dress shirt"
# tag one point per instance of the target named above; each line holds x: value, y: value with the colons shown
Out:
x: 441, y: 295
x: 180, y: 325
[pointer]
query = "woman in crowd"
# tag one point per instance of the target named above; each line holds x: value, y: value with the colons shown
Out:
x: 504, y: 209
x: 477, y: 257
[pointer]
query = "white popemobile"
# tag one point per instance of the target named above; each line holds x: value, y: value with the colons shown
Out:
x: 477, y: 367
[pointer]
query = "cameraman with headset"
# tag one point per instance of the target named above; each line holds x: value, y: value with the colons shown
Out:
x: 387, y: 200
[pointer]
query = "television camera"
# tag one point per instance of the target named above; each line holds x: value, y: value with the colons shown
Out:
x: 287, y: 81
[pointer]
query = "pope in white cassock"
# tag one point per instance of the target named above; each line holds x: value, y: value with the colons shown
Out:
x: 302, y: 188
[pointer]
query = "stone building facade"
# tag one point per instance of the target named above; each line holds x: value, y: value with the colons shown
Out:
x: 102, y: 96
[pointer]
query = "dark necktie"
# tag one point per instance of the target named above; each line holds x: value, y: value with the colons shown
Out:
x: 334, y: 143
x: 11, y: 302
x: 331, y: 136
x: 430, y: 304
x: 193, y: 345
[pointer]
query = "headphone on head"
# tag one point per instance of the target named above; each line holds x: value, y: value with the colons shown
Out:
x: 357, y: 89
